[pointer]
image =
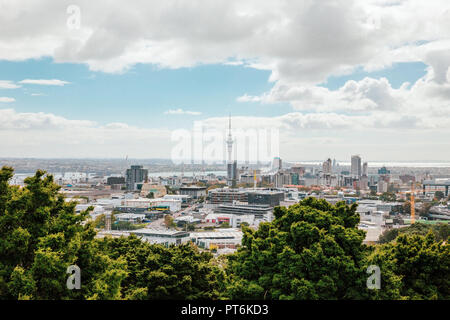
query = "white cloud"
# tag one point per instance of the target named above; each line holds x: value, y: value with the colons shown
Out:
x: 48, y: 135
x: 248, y: 98
x: 181, y: 111
x: 7, y: 99
x: 6, y: 84
x: 301, y: 43
x: 297, y: 40
x: 45, y: 82
x: 303, y: 136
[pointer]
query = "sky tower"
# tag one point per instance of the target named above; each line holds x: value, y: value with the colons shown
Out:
x: 231, y: 165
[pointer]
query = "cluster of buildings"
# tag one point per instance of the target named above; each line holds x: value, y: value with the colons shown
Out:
x: 210, y: 209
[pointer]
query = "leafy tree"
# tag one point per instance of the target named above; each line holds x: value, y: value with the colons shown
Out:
x: 40, y: 236
x: 440, y: 231
x: 425, y: 209
x: 244, y: 225
x: 168, y: 221
x: 439, y: 195
x: 100, y: 220
x: 169, y: 190
x: 312, y: 250
x: 413, y: 267
x: 126, y: 225
x: 406, y: 207
x: 388, y: 197
x: 157, y: 272
x: 388, y: 235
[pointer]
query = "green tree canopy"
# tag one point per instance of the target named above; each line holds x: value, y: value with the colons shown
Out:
x: 439, y: 195
x: 41, y: 236
x: 312, y: 250
x: 441, y: 231
x: 157, y: 272
x: 388, y: 197
x: 413, y: 267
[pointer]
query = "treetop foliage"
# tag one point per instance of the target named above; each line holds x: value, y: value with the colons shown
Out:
x: 312, y: 250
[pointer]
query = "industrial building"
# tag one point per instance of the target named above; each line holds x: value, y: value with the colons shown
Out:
x: 431, y: 186
x: 265, y: 197
x: 172, y: 205
x: 227, y: 195
x: 219, y: 239
x: 135, y: 177
x: 164, y: 237
x: 130, y: 217
x: 194, y: 192
x: 261, y: 212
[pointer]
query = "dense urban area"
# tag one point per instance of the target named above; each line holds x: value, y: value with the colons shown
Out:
x: 208, y: 206
x: 219, y: 234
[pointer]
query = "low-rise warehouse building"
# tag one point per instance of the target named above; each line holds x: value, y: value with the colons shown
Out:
x: 159, y: 236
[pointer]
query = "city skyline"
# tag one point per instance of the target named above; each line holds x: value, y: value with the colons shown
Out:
x: 224, y: 155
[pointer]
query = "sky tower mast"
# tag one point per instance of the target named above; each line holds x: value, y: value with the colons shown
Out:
x: 229, y: 140
x: 231, y: 165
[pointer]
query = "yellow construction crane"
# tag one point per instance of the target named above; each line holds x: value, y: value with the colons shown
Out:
x: 412, y: 201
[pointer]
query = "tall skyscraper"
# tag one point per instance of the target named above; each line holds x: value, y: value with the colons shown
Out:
x: 134, y: 175
x: 327, y: 167
x: 355, y: 169
x: 277, y: 164
x: 365, y: 169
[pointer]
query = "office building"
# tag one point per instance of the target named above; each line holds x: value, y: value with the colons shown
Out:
x: 327, y: 167
x: 261, y: 212
x: 164, y: 237
x: 365, y: 169
x: 355, y: 169
x: 431, y: 186
x: 407, y: 178
x: 277, y: 164
x: 265, y: 197
x: 226, y: 195
x: 232, y: 174
x: 299, y: 170
x: 136, y: 176
x: 382, y: 186
x: 282, y: 178
x: 383, y: 171
x: 115, y: 180
x: 194, y: 192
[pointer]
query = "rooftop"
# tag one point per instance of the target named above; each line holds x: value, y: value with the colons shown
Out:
x: 166, y: 232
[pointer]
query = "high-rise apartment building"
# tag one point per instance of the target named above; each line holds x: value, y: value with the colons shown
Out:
x: 232, y: 173
x: 277, y: 164
x: 327, y: 167
x: 135, y: 175
x: 355, y: 169
x: 365, y: 169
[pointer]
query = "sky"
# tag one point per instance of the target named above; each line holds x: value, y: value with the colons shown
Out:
x: 84, y: 79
